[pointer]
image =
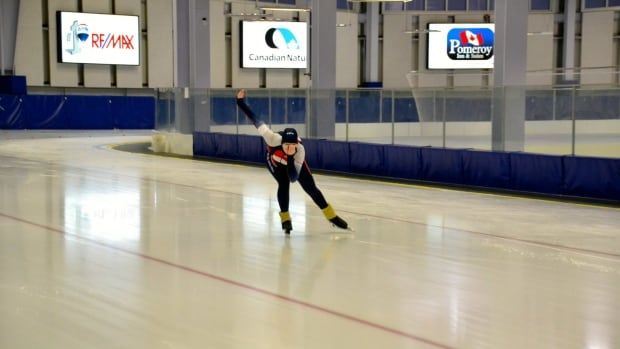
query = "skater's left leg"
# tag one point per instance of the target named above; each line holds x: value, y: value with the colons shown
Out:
x: 307, y: 183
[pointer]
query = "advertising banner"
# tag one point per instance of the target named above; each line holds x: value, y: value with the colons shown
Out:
x: 98, y: 38
x: 460, y: 46
x: 274, y: 44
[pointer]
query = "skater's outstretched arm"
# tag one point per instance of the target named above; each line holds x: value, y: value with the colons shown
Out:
x: 271, y: 138
x: 246, y: 109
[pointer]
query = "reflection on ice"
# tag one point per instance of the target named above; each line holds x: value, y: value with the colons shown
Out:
x: 106, y: 215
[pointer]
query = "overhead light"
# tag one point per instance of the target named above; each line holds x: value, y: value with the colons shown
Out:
x: 285, y: 9
x: 421, y: 31
x: 342, y: 25
x: 254, y: 14
x: 539, y: 33
x: 379, y: 0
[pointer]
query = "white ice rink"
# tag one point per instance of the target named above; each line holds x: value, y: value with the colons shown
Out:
x: 107, y: 249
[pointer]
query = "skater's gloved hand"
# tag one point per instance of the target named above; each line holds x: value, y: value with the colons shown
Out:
x: 292, y: 172
x: 280, y: 157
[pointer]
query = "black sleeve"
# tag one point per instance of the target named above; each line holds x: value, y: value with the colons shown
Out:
x: 292, y: 171
x: 248, y: 112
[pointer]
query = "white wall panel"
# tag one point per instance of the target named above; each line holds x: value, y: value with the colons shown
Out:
x: 29, y: 43
x: 279, y: 78
x: 347, y: 53
x: 540, y: 48
x: 159, y: 43
x: 597, y: 43
x: 397, y: 51
x: 217, y: 42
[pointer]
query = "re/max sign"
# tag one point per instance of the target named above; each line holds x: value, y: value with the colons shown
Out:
x: 109, y: 40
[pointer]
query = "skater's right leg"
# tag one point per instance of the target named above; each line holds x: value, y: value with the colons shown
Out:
x: 307, y: 183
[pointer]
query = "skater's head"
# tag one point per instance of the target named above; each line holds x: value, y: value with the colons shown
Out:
x: 289, y: 135
x: 289, y: 141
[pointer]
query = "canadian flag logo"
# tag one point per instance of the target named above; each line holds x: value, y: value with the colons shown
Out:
x: 468, y: 37
x: 469, y: 44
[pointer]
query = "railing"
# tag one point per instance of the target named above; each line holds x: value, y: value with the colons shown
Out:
x: 559, y: 77
x: 563, y: 120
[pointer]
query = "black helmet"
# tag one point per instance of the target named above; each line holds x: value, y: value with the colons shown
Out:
x: 289, y: 135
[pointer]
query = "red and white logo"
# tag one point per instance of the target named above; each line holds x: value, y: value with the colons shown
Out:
x: 468, y: 37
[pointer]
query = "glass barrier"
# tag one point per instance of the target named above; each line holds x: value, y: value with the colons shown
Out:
x: 596, y: 125
x: 468, y: 116
x: 548, y: 126
x: 564, y: 120
x: 164, y: 111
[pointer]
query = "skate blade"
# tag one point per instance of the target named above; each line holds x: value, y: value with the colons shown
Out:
x: 349, y: 228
